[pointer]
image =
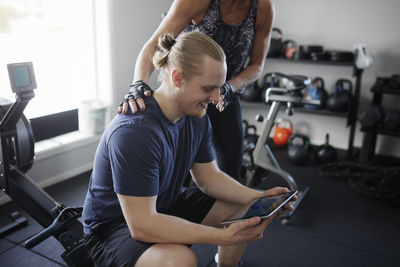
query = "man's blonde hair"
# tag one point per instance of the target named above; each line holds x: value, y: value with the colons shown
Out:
x: 185, y: 53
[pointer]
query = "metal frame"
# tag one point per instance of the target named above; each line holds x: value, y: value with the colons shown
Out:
x: 263, y: 156
x: 59, y: 221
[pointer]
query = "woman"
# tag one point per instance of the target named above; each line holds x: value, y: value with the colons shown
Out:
x: 242, y: 28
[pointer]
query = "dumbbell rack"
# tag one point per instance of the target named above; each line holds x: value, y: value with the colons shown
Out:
x: 371, y: 133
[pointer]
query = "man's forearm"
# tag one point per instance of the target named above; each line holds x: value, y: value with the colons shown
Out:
x: 223, y: 187
x: 162, y: 228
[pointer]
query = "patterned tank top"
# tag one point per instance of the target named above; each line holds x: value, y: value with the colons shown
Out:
x: 236, y: 40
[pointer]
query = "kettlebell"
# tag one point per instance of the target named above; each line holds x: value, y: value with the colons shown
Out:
x: 276, y: 44
x: 269, y: 80
x: 283, y: 131
x: 252, y: 92
x: 250, y: 134
x: 372, y: 116
x: 299, y: 149
x: 325, y: 153
x: 289, y: 48
x: 317, y: 92
x: 339, y: 100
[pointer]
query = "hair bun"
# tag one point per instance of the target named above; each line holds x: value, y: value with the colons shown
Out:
x: 166, y: 41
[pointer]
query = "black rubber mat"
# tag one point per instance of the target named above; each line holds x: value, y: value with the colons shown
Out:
x: 333, y: 226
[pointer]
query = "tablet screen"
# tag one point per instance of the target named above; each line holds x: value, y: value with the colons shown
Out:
x: 262, y: 207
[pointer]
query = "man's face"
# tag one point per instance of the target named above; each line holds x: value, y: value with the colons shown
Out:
x: 197, y: 92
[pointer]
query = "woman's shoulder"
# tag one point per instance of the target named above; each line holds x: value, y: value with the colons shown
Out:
x: 193, y: 7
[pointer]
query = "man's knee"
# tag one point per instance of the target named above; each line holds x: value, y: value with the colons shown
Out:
x: 168, y: 255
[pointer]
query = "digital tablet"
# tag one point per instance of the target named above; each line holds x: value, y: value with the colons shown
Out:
x: 263, y: 207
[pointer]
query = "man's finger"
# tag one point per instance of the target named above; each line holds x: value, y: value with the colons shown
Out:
x: 147, y: 93
x: 246, y: 223
x: 276, y: 191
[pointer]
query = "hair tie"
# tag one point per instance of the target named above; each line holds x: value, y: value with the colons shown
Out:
x: 173, y: 41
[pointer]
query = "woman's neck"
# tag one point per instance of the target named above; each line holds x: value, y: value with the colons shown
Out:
x: 234, y: 11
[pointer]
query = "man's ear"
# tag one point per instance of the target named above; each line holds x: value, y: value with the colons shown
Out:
x: 177, y: 78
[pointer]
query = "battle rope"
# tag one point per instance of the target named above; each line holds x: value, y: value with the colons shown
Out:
x: 372, y: 181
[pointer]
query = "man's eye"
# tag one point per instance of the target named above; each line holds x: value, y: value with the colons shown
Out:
x: 208, y: 89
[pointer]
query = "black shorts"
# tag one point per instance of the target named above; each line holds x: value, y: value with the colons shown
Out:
x: 111, y: 243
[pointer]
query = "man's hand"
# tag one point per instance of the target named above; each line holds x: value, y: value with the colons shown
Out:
x: 247, y: 231
x: 225, y: 95
x: 134, y: 98
x: 280, y: 191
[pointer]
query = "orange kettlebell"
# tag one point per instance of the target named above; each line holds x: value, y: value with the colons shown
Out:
x: 283, y: 131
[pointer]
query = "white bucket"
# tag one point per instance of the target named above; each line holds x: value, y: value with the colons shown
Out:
x: 92, y: 116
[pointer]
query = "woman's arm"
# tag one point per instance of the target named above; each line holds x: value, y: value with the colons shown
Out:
x: 181, y: 13
x: 264, y: 22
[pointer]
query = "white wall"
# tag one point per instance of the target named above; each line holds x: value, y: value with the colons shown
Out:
x: 132, y: 24
x: 337, y: 25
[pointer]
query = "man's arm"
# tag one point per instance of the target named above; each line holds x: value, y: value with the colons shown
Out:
x: 264, y: 22
x: 217, y: 184
x: 147, y: 225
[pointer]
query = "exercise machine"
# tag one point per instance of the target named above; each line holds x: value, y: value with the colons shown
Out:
x: 16, y: 158
x: 288, y: 92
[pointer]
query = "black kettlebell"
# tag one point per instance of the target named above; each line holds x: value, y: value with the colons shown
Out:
x: 252, y: 92
x: 276, y: 45
x: 371, y: 117
x: 325, y: 153
x: 317, y: 91
x: 269, y: 80
x: 299, y: 149
x: 250, y: 135
x: 339, y: 100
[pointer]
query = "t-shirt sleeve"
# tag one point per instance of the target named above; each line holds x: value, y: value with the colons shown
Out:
x: 135, y: 155
x: 206, y: 149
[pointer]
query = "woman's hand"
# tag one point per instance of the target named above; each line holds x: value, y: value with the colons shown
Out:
x: 225, y: 95
x: 134, y: 98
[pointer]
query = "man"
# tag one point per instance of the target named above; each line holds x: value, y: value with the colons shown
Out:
x: 137, y: 213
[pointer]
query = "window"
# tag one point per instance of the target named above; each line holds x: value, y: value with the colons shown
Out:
x: 58, y: 37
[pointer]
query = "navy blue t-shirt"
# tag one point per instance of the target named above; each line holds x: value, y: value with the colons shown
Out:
x: 144, y: 154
